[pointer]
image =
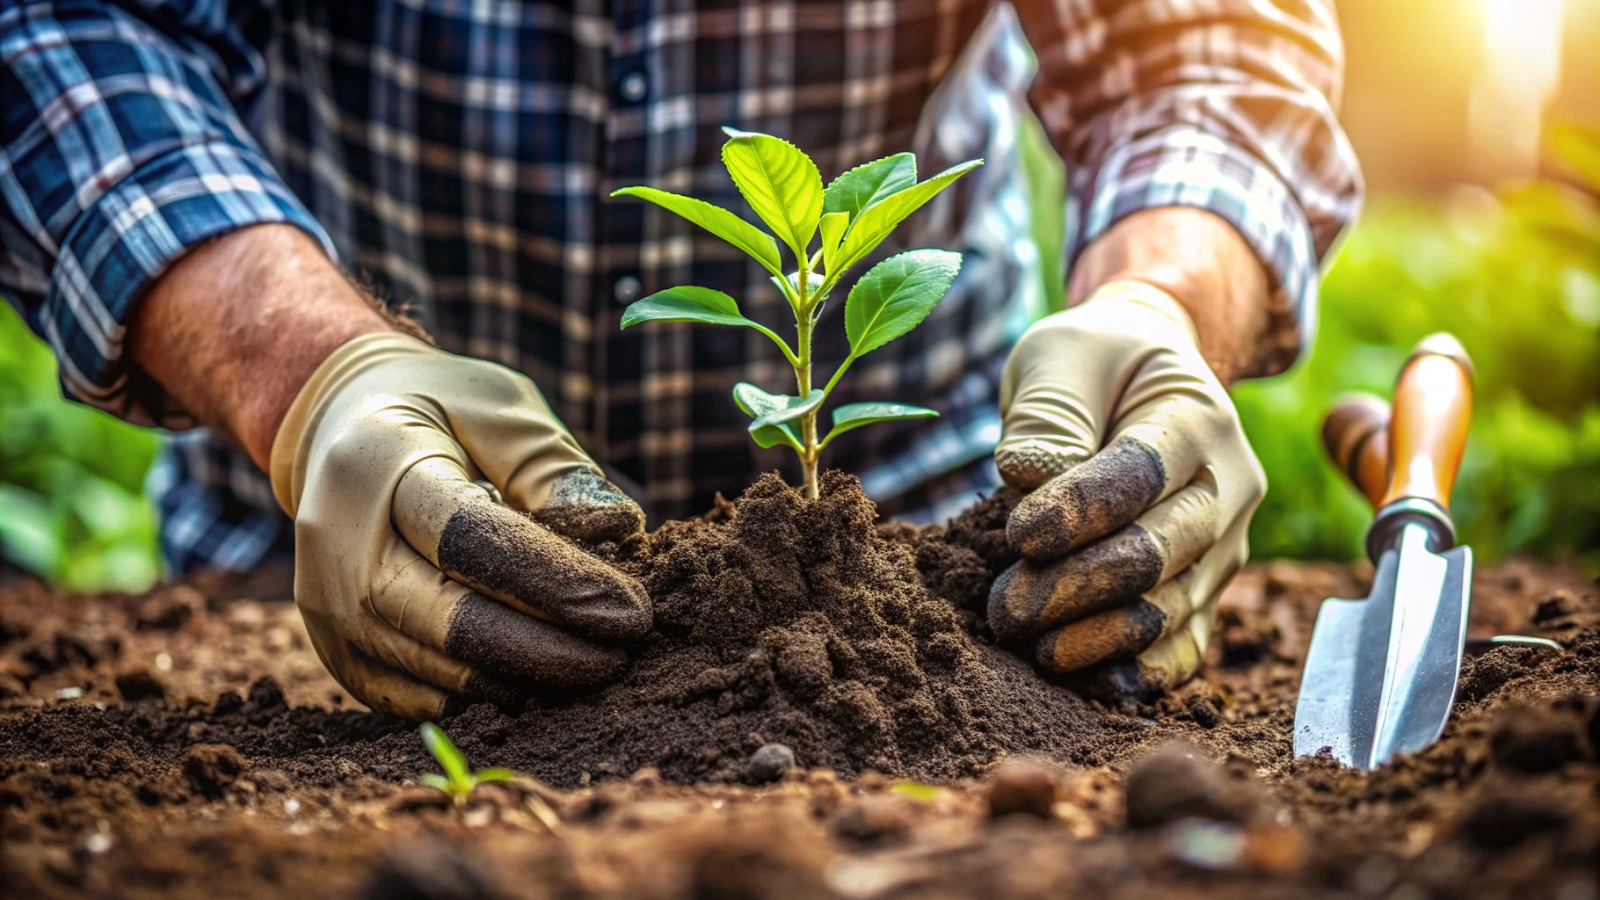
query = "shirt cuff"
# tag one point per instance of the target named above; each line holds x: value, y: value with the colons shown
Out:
x: 1185, y: 166
x: 126, y: 238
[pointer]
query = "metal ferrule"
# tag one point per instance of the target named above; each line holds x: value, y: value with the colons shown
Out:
x: 1392, y: 519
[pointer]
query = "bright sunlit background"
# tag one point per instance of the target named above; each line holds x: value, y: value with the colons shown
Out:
x: 1483, y: 218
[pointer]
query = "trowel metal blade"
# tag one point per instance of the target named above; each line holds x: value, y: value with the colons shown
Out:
x: 1381, y: 671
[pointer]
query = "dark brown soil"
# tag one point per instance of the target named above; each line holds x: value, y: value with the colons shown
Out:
x: 188, y: 743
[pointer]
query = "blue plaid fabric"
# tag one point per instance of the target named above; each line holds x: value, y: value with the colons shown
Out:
x: 458, y: 155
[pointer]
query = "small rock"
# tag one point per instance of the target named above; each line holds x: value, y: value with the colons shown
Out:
x: 1536, y: 741
x: 647, y: 777
x: 140, y: 684
x: 211, y: 768
x: 1025, y: 787
x: 1178, y: 781
x: 769, y: 763
x: 878, y: 817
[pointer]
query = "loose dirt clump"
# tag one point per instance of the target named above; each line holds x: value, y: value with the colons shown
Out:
x: 783, y: 621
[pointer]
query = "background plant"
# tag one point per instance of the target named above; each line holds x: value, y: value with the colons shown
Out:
x: 847, y: 221
x: 72, y: 504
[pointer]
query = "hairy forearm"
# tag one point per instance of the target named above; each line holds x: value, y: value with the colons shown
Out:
x: 1198, y: 258
x: 238, y: 324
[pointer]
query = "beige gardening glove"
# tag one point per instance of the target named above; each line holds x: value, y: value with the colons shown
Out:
x: 417, y: 587
x: 1143, y: 485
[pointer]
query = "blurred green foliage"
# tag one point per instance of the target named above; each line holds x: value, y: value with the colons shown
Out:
x: 72, y: 504
x: 1514, y: 275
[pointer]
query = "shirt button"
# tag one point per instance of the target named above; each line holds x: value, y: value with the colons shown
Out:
x: 634, y: 87
x: 627, y: 289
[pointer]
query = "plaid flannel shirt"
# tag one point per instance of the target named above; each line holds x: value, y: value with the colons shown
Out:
x: 459, y: 154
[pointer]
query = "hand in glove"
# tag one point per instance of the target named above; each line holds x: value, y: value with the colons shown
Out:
x: 1143, y: 485
x: 416, y: 586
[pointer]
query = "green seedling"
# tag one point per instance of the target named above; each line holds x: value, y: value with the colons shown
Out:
x: 827, y: 231
x: 458, y: 780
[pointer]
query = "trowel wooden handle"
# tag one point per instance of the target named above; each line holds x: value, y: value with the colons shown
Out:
x: 1428, y: 427
x: 1356, y: 436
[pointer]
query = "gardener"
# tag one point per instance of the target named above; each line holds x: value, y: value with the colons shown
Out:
x: 184, y: 184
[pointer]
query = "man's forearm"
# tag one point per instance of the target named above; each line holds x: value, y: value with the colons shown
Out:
x: 238, y: 324
x: 1198, y: 258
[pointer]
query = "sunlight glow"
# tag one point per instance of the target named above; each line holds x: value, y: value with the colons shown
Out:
x: 1521, y: 71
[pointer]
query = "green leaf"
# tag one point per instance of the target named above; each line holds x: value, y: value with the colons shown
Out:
x: 895, y: 296
x: 494, y: 774
x: 775, y: 414
x: 440, y: 782
x: 716, y: 220
x: 780, y: 183
x: 875, y: 223
x: 833, y: 226
x: 854, y: 415
x: 451, y: 759
x: 686, y: 304
x: 866, y: 184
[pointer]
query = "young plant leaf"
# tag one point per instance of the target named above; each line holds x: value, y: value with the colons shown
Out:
x: 866, y: 184
x: 686, y: 304
x: 775, y: 414
x: 736, y: 231
x: 854, y: 415
x: 832, y: 226
x: 895, y: 296
x: 450, y: 758
x: 793, y: 278
x: 779, y: 181
x: 494, y: 774
x: 877, y: 220
x: 437, y: 781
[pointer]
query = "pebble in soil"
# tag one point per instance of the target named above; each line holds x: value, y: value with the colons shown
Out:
x: 779, y: 620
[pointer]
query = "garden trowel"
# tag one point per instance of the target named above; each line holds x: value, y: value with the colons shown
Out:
x: 1381, y: 671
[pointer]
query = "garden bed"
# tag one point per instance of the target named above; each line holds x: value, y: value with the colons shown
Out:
x: 188, y: 743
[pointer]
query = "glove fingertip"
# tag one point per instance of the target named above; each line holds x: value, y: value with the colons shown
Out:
x: 585, y: 506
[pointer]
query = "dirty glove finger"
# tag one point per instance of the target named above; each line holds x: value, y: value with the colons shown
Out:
x: 1029, y: 597
x: 1169, y: 662
x: 391, y: 690
x: 1120, y: 633
x: 501, y: 553
x: 490, y: 642
x: 585, y: 506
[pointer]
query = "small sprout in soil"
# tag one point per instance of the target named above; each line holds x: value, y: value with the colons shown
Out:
x: 845, y: 222
x: 458, y: 781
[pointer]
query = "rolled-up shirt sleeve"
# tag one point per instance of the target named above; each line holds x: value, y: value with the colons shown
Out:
x: 121, y: 147
x: 1227, y: 106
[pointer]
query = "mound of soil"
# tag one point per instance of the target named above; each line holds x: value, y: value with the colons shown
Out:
x: 188, y: 743
x: 782, y: 621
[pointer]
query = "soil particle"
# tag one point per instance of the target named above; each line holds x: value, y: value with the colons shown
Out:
x: 1504, y: 820
x: 1022, y: 786
x: 1179, y: 781
x: 211, y: 768
x: 769, y: 763
x: 878, y: 818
